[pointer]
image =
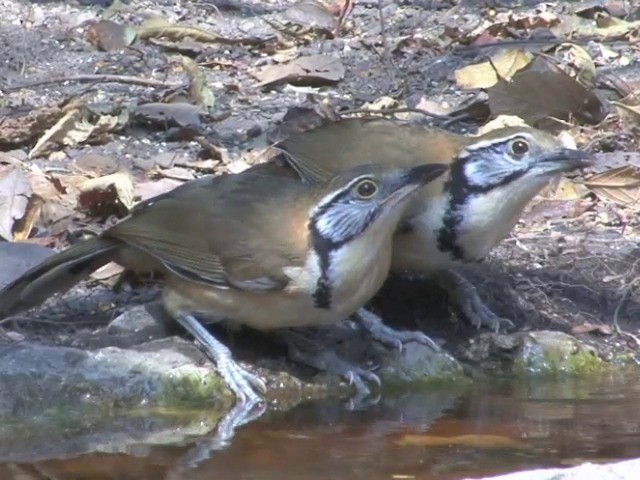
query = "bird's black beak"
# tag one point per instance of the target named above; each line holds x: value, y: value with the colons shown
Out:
x: 413, y: 179
x: 564, y: 160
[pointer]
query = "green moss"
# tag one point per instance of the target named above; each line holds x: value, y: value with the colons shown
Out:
x: 194, y: 389
x: 565, y: 359
x: 452, y: 378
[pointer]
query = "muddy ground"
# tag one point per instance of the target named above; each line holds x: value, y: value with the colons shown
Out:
x: 570, y: 265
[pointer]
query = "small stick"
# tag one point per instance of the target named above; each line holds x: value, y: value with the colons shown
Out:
x: 145, y: 82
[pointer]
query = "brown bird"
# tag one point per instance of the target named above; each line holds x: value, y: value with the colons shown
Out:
x: 461, y: 216
x: 259, y: 248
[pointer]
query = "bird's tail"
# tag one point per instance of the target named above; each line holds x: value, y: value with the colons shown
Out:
x: 55, y: 274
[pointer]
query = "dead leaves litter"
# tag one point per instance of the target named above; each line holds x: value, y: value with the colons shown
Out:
x: 619, y: 185
x: 107, y: 35
x: 15, y: 191
x: 542, y: 90
x: 487, y: 74
x: 312, y: 70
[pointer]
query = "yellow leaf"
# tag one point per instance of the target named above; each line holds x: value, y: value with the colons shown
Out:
x: 483, y: 75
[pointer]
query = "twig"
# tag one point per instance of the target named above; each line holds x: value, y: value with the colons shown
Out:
x: 19, y: 318
x: 393, y: 111
x: 383, y: 34
x: 145, y: 82
x: 346, y: 10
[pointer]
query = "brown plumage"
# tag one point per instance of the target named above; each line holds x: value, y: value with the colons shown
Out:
x: 459, y: 217
x: 258, y: 248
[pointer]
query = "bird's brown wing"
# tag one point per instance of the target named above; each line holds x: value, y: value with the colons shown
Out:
x: 320, y: 153
x: 230, y: 231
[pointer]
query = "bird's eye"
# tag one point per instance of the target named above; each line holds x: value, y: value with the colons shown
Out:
x: 519, y: 147
x: 366, y: 189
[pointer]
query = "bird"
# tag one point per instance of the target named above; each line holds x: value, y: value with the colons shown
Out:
x: 460, y: 217
x: 259, y: 248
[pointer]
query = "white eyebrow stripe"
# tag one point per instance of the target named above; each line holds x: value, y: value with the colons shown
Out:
x: 483, y: 144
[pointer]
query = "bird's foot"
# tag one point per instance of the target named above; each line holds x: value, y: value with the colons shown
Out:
x: 466, y: 297
x: 243, y: 383
x: 395, y: 339
x: 327, y: 360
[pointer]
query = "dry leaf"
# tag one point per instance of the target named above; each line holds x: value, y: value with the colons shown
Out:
x: 74, y: 128
x: 106, y: 194
x: 628, y: 108
x: 565, y: 189
x: 15, y: 191
x: 501, y: 121
x: 159, y: 27
x: 483, y: 75
x: 95, y: 165
x: 183, y: 115
x: 542, y: 90
x: 312, y: 70
x: 432, y: 107
x: 199, y: 92
x: 177, y: 173
x: 107, y: 271
x: 580, y: 60
x: 611, y: 27
x: 23, y: 227
x: 24, y: 126
x: 619, y: 185
x: 57, y: 132
x: 108, y: 35
x: 587, y: 327
x: 58, y: 195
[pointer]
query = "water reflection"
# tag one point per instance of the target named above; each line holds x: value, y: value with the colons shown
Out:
x: 489, y: 429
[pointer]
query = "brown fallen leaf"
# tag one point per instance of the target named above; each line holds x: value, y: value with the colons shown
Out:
x: 311, y: 70
x: 541, y: 90
x: 565, y: 189
x: 59, y: 199
x: 161, y: 28
x: 15, y: 191
x: 23, y: 227
x: 95, y: 165
x: 74, y: 128
x: 24, y: 126
x: 311, y: 14
x: 177, y: 173
x: 619, y: 185
x: 107, y: 271
x: 599, y: 328
x: 183, y: 115
x: 483, y: 75
x: 199, y: 92
x: 109, y: 194
x: 107, y: 35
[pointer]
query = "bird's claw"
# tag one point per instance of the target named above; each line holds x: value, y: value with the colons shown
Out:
x: 395, y: 339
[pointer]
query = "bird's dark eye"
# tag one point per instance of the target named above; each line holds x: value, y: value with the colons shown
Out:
x: 366, y: 189
x: 519, y: 147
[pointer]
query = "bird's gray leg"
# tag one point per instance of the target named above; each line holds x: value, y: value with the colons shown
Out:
x: 301, y: 349
x: 374, y: 326
x: 243, y: 383
x: 466, y: 297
